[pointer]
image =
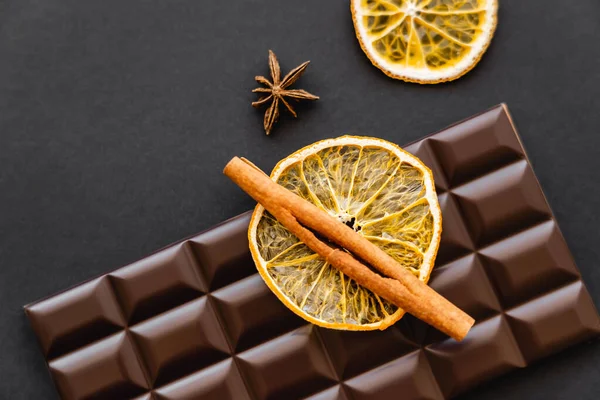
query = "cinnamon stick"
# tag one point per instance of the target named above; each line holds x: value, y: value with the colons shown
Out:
x: 397, y: 285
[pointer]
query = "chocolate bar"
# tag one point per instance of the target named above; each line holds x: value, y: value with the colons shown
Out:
x: 195, y: 320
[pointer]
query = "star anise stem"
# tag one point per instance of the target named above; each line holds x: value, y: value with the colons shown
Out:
x: 276, y: 91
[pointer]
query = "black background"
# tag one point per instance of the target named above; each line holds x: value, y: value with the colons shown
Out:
x: 116, y: 118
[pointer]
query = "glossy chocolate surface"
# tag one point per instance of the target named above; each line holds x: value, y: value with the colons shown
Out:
x: 195, y: 321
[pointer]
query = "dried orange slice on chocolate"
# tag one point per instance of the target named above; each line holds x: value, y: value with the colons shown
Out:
x: 424, y: 41
x: 384, y: 193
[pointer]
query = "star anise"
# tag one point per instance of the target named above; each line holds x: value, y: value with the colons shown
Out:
x: 277, y: 91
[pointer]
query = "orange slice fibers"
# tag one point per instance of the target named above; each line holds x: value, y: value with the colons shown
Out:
x: 424, y: 41
x: 384, y: 193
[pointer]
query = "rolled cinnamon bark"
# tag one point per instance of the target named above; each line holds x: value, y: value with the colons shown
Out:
x: 398, y: 286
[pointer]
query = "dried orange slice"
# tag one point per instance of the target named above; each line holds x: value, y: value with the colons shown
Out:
x: 384, y: 193
x: 424, y: 41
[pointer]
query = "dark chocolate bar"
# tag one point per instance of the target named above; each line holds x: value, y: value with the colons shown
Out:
x: 195, y: 320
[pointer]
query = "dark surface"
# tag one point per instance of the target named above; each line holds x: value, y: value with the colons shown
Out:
x: 195, y: 320
x: 117, y: 117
